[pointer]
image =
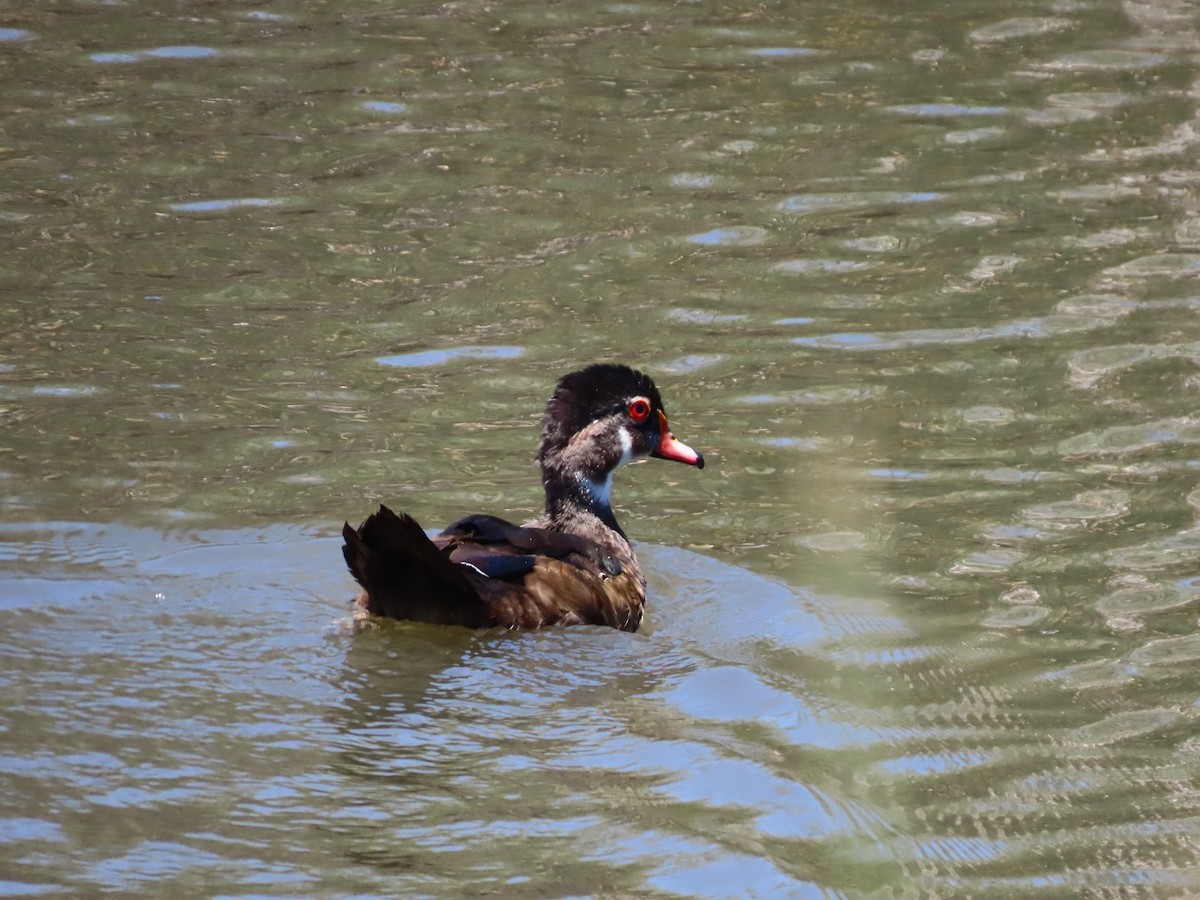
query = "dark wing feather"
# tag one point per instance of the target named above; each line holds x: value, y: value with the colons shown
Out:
x: 504, y: 537
x: 493, y: 565
x: 405, y: 576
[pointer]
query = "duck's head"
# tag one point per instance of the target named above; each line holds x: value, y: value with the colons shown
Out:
x: 604, y: 416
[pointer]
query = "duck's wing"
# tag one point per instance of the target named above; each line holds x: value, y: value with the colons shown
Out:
x: 553, y: 592
x: 484, y: 571
x: 483, y: 535
x: 530, y: 577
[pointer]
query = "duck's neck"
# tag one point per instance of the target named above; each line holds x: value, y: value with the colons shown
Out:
x: 581, y: 505
x: 577, y: 504
x: 578, y: 482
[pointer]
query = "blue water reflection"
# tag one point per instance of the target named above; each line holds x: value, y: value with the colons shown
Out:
x: 133, y: 56
x: 427, y: 358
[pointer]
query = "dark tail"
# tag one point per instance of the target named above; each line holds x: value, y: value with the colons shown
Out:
x: 406, y: 576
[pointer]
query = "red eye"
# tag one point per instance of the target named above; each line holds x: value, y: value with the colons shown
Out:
x: 639, y: 409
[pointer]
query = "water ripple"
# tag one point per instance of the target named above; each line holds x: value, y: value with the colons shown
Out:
x: 809, y: 203
x: 1127, y: 440
x: 1042, y: 327
x: 1020, y: 28
x: 945, y: 110
x: 732, y: 236
x: 134, y: 56
x: 229, y: 205
x: 428, y: 358
x: 1106, y: 60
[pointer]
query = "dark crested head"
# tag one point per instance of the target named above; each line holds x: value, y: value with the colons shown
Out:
x: 603, y: 416
x: 583, y: 397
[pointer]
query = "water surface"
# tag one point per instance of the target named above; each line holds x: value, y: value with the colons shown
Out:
x: 919, y: 279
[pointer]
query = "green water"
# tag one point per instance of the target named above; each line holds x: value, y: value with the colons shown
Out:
x: 919, y: 279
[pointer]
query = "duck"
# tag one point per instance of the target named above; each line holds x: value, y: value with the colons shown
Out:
x: 573, y: 565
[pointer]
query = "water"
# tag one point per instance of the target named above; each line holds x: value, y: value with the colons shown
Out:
x: 919, y: 280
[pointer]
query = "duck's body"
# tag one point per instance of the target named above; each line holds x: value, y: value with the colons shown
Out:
x: 571, y: 566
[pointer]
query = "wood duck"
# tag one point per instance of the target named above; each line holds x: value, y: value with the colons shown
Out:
x: 571, y: 566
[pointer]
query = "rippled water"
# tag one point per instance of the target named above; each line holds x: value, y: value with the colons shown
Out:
x: 919, y: 279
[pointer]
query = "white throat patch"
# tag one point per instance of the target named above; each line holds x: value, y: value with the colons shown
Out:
x: 601, y: 491
x: 626, y: 448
